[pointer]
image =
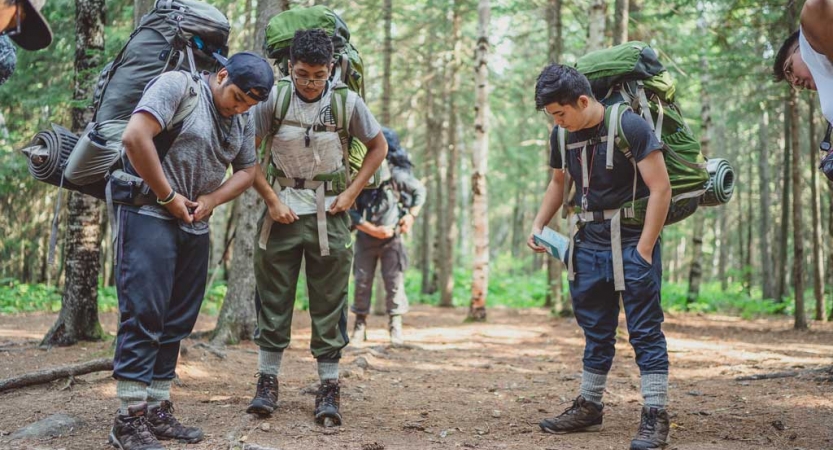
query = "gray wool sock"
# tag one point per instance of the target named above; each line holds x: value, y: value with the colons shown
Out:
x: 592, y: 386
x: 158, y: 391
x: 328, y: 370
x: 655, y: 389
x: 269, y: 363
x: 130, y: 393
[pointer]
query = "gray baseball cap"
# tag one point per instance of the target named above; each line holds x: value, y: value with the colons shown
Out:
x: 35, y: 33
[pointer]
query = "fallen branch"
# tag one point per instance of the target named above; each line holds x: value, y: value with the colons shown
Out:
x: 47, y: 375
x: 787, y: 374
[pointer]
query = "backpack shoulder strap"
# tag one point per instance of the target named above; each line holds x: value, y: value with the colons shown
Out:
x: 282, y: 99
x: 189, y: 102
x: 338, y: 104
x: 615, y: 135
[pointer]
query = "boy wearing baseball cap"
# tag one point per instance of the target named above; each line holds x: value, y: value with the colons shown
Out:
x: 162, y: 255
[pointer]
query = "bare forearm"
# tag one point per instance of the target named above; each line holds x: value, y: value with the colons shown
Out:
x: 550, y: 205
x: 414, y: 210
x: 366, y: 227
x: 816, y: 16
x: 657, y: 210
x: 263, y: 188
x: 234, y: 186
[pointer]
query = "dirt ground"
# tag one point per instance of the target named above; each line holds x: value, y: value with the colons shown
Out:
x: 457, y: 385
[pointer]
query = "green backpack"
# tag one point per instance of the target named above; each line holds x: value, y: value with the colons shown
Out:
x: 630, y: 76
x: 348, y: 64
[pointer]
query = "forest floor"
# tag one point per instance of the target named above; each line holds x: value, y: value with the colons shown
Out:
x: 455, y: 385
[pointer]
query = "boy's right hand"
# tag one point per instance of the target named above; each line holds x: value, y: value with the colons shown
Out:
x: 179, y: 208
x: 281, y: 213
x: 380, y: 232
x: 530, y: 241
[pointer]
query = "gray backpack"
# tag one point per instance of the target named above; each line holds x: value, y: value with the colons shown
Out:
x: 175, y: 35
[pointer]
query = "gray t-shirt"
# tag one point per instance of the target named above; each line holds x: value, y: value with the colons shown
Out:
x: 208, y: 143
x: 324, y: 153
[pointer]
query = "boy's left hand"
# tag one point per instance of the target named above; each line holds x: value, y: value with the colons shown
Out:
x: 205, y: 207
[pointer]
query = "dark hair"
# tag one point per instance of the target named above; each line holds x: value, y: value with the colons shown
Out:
x: 560, y: 84
x: 784, y: 53
x: 312, y: 47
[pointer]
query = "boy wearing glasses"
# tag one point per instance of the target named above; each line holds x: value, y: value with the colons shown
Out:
x: 804, y: 59
x: 306, y: 219
x: 162, y: 248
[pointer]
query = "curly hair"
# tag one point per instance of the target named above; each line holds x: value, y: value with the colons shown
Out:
x: 560, y: 84
x: 312, y: 47
x: 785, y: 52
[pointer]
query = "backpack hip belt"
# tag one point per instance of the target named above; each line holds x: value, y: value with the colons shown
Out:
x: 324, y: 185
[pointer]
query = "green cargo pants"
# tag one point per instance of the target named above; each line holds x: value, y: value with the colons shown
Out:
x: 276, y: 275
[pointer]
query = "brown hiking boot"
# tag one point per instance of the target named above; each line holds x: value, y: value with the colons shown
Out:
x: 359, y: 329
x: 327, y: 402
x: 132, y: 432
x: 266, y: 396
x: 653, y: 430
x: 582, y: 416
x: 165, y: 426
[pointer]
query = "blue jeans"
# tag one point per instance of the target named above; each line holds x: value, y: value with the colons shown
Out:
x: 596, y: 307
x: 160, y: 280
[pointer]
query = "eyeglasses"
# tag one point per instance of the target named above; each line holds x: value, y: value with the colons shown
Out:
x: 17, y: 18
x: 318, y: 82
x: 789, y: 75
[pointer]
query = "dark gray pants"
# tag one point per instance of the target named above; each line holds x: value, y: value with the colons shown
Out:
x: 160, y: 280
x: 394, y: 259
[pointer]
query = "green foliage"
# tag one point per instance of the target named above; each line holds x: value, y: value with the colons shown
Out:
x: 513, y: 287
x: 21, y: 297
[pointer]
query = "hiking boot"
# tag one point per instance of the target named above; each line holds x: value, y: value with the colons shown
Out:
x: 327, y: 402
x: 395, y: 327
x: 266, y: 396
x: 132, y: 432
x: 582, y: 416
x: 359, y: 329
x: 165, y: 426
x: 653, y: 430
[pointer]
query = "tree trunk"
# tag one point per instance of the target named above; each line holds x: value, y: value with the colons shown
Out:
x: 818, y: 261
x: 783, y: 258
x: 560, y: 304
x: 429, y: 249
x: 798, y: 229
x: 596, y: 30
x: 695, y: 273
x: 78, y: 320
x: 750, y: 249
x: 450, y: 232
x: 480, y: 158
x: 387, y: 54
x: 555, y: 36
x: 425, y: 248
x: 830, y: 241
x: 620, y: 22
x: 764, y: 224
x: 140, y: 8
x: 238, y: 319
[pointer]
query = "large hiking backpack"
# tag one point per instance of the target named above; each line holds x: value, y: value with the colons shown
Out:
x: 347, y: 75
x: 630, y: 76
x: 175, y: 35
x: 348, y: 64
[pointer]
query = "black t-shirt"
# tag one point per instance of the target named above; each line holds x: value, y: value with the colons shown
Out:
x: 607, y: 189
